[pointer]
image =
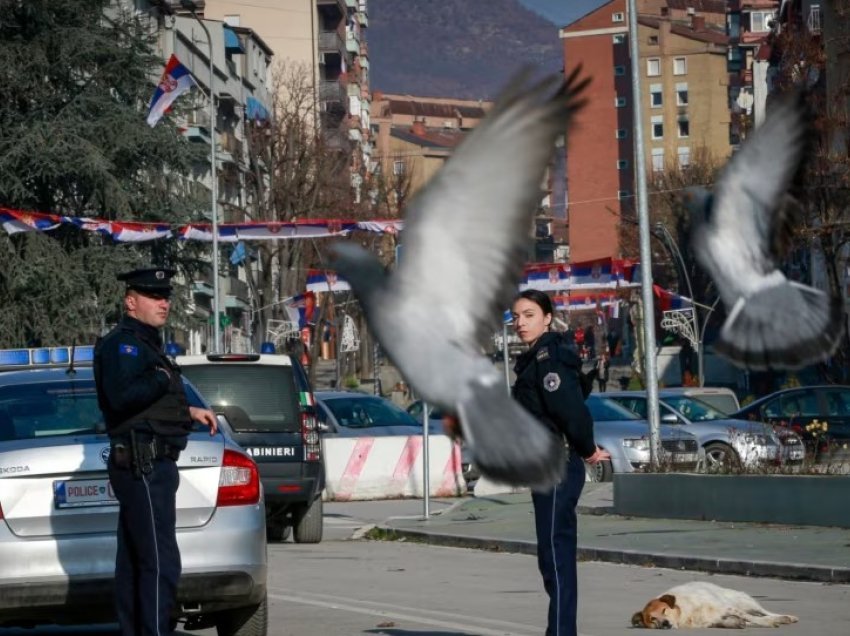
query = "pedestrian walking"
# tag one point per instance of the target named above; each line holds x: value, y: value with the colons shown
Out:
x: 148, y: 419
x: 548, y: 386
x: 603, y: 363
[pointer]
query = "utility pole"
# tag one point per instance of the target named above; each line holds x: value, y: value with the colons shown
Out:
x: 651, y: 373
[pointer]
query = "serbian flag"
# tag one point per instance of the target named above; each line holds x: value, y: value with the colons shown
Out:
x: 175, y: 81
x: 667, y: 300
x: 300, y: 308
x: 324, y: 281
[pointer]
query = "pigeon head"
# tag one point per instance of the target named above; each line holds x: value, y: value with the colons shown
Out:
x: 697, y: 201
x: 359, y: 267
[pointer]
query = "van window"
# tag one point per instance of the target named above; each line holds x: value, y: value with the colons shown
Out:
x: 254, y: 398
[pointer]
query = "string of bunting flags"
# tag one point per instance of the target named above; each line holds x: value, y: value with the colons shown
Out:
x: 15, y: 221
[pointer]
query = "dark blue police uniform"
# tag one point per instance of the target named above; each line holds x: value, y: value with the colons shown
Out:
x: 549, y: 385
x: 147, y: 418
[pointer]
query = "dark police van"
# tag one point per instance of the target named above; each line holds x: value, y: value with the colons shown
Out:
x: 270, y: 408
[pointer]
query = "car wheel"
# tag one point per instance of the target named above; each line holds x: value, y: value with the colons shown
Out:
x: 601, y: 471
x: 720, y: 458
x: 278, y: 531
x: 244, y: 621
x: 309, y: 522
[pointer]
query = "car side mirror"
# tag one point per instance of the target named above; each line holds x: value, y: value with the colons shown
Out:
x: 669, y: 418
x: 324, y: 428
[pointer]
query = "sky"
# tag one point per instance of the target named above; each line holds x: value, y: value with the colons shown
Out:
x: 562, y: 12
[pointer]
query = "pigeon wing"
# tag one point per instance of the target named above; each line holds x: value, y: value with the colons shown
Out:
x: 467, y: 232
x: 748, y: 199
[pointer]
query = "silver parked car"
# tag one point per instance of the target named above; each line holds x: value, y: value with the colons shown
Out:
x: 58, y: 514
x: 625, y: 435
x: 728, y: 443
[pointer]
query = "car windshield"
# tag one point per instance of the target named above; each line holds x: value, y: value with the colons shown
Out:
x: 257, y: 398
x: 49, y: 409
x: 606, y: 410
x: 367, y: 411
x: 692, y: 409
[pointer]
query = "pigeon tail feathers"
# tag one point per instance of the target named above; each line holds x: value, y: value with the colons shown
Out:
x: 507, y: 443
x: 784, y: 326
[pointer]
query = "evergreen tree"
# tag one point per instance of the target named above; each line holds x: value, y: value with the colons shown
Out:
x: 76, y: 77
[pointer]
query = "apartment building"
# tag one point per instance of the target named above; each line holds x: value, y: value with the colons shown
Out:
x: 683, y: 66
x: 328, y: 39
x: 415, y: 135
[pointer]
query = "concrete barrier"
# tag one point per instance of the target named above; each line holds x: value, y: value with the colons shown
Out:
x: 390, y: 467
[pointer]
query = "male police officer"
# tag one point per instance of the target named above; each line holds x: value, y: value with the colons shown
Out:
x: 148, y: 419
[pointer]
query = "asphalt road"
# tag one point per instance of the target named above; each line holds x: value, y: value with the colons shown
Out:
x: 344, y: 588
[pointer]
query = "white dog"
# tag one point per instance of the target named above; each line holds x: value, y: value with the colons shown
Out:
x: 700, y: 604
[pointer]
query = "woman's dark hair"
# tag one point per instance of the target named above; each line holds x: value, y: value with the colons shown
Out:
x: 539, y: 298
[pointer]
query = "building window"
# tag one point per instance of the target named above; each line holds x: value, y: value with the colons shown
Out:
x: 680, y: 66
x: 620, y: 102
x: 622, y: 164
x: 619, y: 38
x: 658, y: 159
x: 684, y: 154
x: 653, y: 67
x: 684, y: 128
x: 682, y: 94
x: 814, y: 18
x: 619, y: 70
x: 618, y: 17
x: 623, y: 194
x: 761, y: 21
x: 621, y: 133
x: 398, y: 168
x: 653, y: 40
x: 658, y: 127
x: 656, y: 98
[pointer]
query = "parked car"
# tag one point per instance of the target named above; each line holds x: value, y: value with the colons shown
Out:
x: 719, y: 398
x: 269, y: 403
x: 354, y: 414
x: 729, y: 443
x: 625, y: 435
x: 797, y: 408
x: 435, y: 426
x: 58, y: 514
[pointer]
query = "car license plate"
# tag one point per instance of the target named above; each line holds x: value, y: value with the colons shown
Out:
x: 796, y: 453
x: 76, y: 493
x: 685, y: 458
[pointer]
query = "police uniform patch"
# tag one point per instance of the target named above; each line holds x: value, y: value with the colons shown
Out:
x: 128, y: 350
x: 543, y: 354
x: 551, y: 381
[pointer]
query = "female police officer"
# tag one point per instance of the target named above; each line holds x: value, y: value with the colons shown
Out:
x: 148, y: 419
x: 548, y: 386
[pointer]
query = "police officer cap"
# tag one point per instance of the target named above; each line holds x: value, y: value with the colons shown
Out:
x: 151, y: 280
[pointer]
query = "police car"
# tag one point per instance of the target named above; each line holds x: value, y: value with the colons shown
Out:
x: 58, y: 514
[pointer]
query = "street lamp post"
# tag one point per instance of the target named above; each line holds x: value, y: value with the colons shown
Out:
x: 674, y: 249
x: 192, y: 6
x: 651, y: 374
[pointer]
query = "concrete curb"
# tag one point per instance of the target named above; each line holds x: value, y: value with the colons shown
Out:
x: 787, y: 571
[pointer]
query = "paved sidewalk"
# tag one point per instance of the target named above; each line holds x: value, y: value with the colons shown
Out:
x: 505, y: 522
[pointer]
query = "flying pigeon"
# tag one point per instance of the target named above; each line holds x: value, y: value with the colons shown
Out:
x: 465, y: 240
x: 736, y: 234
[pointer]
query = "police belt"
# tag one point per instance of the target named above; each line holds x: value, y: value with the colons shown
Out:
x: 138, y: 451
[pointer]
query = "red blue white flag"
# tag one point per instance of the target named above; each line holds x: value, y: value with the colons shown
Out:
x: 175, y: 81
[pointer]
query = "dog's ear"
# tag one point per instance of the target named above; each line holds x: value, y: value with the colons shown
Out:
x: 669, y: 599
x: 637, y: 620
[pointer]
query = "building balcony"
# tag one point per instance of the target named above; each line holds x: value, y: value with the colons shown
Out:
x: 236, y: 288
x: 331, y: 42
x: 332, y: 91
x: 352, y: 42
x: 363, y: 19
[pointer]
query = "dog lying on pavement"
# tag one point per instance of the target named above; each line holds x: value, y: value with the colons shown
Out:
x: 699, y: 604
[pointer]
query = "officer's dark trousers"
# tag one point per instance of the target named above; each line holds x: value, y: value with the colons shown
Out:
x: 555, y: 522
x: 147, y: 565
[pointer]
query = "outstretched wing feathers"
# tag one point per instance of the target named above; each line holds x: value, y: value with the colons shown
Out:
x: 749, y: 194
x: 467, y: 233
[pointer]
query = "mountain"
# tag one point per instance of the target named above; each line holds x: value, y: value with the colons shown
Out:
x: 456, y: 48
